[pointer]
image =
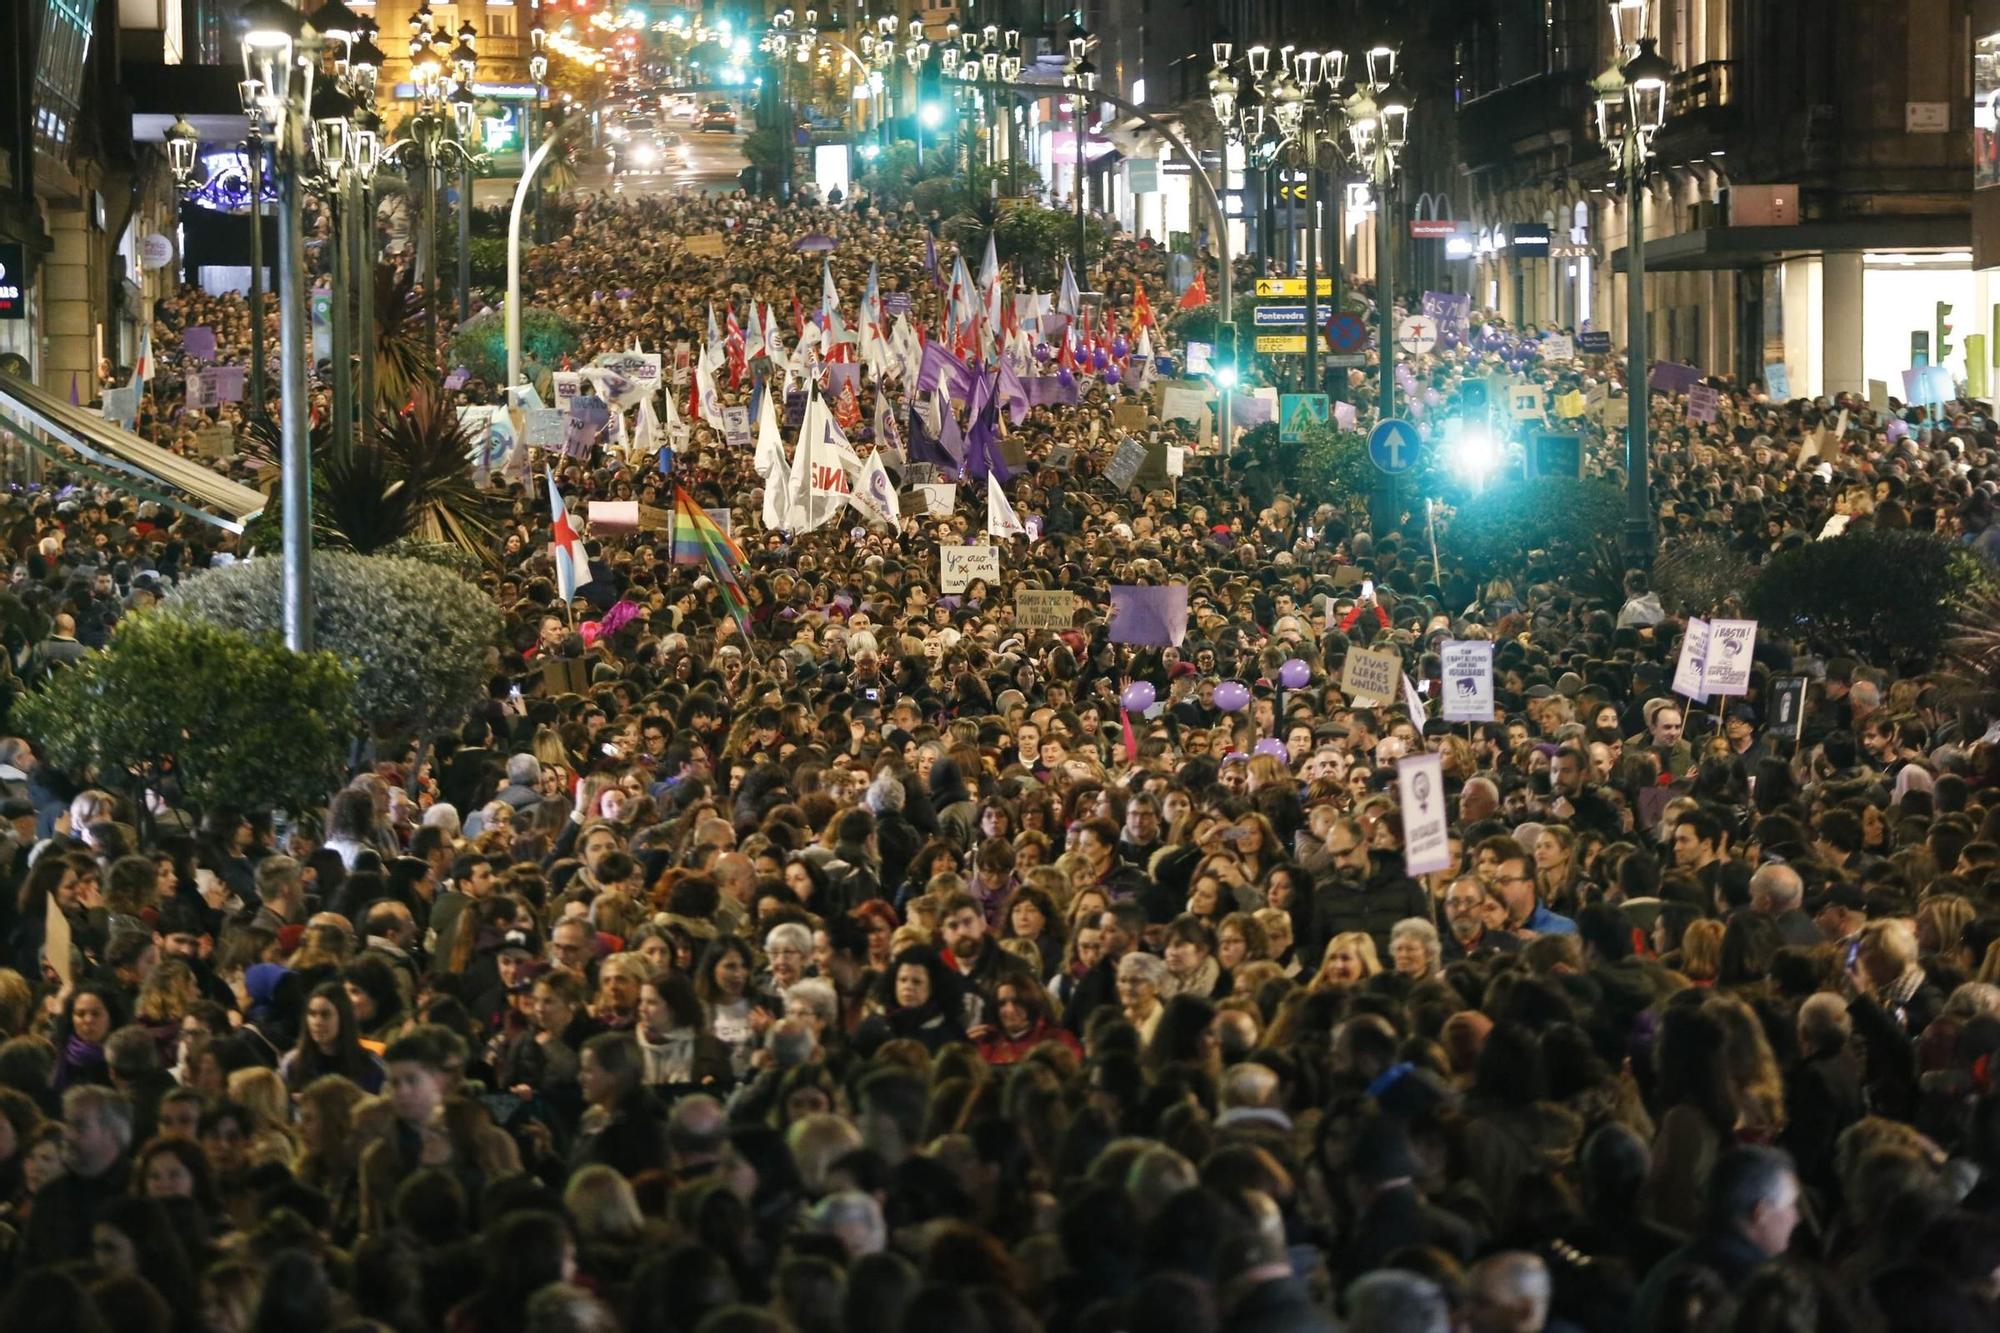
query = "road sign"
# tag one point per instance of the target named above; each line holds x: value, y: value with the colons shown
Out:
x: 1298, y: 413
x: 1280, y: 317
x: 1595, y: 342
x: 1346, y: 333
x: 1291, y: 287
x: 1344, y: 359
x: 1281, y: 342
x: 1393, y: 446
x: 1416, y: 334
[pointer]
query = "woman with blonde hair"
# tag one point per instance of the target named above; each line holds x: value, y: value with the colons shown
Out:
x: 619, y: 978
x: 1941, y: 922
x: 1267, y: 771
x: 1350, y: 960
x: 1753, y: 1070
x: 1279, y: 938
x: 261, y: 1092
x: 1701, y: 951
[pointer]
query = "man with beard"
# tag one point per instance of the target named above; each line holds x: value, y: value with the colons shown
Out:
x: 1360, y: 890
x: 1475, y: 916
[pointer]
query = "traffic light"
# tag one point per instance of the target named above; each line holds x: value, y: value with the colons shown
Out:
x: 1225, y: 356
x: 1943, y: 331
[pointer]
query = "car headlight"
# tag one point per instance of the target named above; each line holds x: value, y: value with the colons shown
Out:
x: 645, y: 155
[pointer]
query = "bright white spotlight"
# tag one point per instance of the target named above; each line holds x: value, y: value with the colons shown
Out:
x: 1473, y: 455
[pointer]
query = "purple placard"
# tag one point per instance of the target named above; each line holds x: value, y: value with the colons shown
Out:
x: 1673, y: 378
x: 225, y: 384
x: 588, y: 416
x: 198, y: 341
x: 1154, y: 617
x: 895, y: 303
x: 456, y: 380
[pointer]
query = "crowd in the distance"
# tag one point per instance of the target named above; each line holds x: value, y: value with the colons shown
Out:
x: 879, y: 971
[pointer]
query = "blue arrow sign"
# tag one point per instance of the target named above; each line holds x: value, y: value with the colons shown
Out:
x: 1280, y: 316
x: 1393, y: 446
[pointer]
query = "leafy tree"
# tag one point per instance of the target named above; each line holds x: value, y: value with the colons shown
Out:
x: 1699, y: 576
x: 234, y: 718
x: 1890, y: 598
x: 1333, y: 464
x: 480, y: 345
x: 403, y: 357
x: 417, y: 637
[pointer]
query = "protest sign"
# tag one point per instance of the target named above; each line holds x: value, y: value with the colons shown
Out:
x: 1558, y: 347
x: 1037, y: 608
x: 1125, y: 464
x: 940, y: 498
x: 1524, y: 401
x: 1704, y: 403
x: 704, y: 245
x: 215, y: 440
x: 1129, y: 417
x: 1149, y: 616
x: 724, y: 519
x: 1467, y: 666
x: 1690, y: 669
x: 1731, y: 645
x: 1178, y: 404
x: 1878, y: 396
x: 736, y: 427
x: 1372, y: 674
x: 1778, y: 382
x: 227, y: 382
x: 542, y: 427
x: 198, y: 341
x: 1426, y: 822
x: 958, y: 566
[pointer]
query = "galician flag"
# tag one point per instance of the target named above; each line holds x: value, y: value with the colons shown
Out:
x: 565, y: 545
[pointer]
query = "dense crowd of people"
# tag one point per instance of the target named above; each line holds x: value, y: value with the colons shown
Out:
x: 882, y: 969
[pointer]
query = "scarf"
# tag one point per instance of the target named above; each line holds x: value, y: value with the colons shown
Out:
x: 1200, y: 982
x: 669, y: 1060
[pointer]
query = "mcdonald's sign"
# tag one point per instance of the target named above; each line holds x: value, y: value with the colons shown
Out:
x: 1430, y: 217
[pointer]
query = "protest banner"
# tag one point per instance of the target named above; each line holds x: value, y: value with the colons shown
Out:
x: 1426, y: 821
x: 1467, y: 666
x: 1372, y: 674
x: 1038, y: 608
x: 1731, y: 645
x: 1125, y: 464
x: 958, y: 566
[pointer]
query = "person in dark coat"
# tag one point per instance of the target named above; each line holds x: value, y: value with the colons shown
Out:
x: 1753, y: 1208
x: 97, y: 1137
x: 621, y: 1126
x: 1823, y: 1094
x: 1362, y: 890
x: 1392, y: 1211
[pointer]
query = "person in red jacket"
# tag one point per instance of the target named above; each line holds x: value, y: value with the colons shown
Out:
x: 1022, y: 1020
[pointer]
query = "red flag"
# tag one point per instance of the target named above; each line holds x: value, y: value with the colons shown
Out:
x: 1142, y: 309
x: 1196, y: 295
x: 847, y: 407
x: 1131, y: 741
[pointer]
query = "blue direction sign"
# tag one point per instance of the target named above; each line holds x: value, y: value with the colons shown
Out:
x: 1346, y: 333
x: 1393, y: 446
x: 1281, y: 316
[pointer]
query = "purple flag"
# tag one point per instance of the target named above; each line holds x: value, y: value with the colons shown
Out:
x: 924, y: 447
x: 939, y: 365
x: 198, y: 341
x: 1051, y: 389
x: 951, y: 439
x: 1451, y: 312
x: 588, y: 416
x: 72, y: 390
x: 1670, y: 378
x: 1012, y: 392
x: 1153, y: 617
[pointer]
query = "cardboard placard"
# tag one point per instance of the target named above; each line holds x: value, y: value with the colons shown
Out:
x: 1371, y: 673
x: 705, y: 245
x: 1130, y: 417
x: 1038, y: 608
x: 1124, y: 466
x: 565, y: 675
x: 958, y: 566
x: 940, y: 498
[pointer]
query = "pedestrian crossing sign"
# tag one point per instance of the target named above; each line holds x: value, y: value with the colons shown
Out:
x: 1298, y: 413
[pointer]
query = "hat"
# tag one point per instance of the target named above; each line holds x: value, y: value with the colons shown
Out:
x: 1569, y: 683
x: 16, y: 807
x: 1848, y: 896
x: 1742, y: 713
x: 1178, y: 670
x: 516, y: 941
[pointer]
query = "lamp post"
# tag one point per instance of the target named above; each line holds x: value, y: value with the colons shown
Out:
x: 364, y: 68
x: 439, y: 135
x: 273, y: 42
x: 1639, y: 89
x: 1081, y: 76
x: 916, y: 51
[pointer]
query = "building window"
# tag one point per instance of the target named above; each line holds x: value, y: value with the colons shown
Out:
x: 59, y: 72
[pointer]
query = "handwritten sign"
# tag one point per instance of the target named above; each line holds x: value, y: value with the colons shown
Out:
x: 940, y: 498
x: 1524, y: 401
x: 958, y: 566
x: 542, y: 427
x: 704, y: 245
x: 1691, y: 668
x: 1704, y: 403
x: 736, y: 427
x: 1037, y: 608
x: 1125, y: 464
x: 1372, y: 674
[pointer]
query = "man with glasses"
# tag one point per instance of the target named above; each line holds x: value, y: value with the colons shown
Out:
x: 1475, y: 917
x: 1356, y: 889
x: 1526, y: 915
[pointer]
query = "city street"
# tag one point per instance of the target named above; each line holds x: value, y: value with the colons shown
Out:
x: 715, y: 162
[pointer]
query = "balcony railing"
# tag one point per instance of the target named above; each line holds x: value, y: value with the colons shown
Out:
x: 1708, y: 86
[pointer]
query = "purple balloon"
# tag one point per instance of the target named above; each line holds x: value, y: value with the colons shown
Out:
x: 1295, y: 674
x: 1119, y: 347
x: 1231, y: 696
x: 1138, y: 696
x: 1064, y: 378
x: 1112, y: 374
x: 1044, y: 352
x: 1099, y: 359
x: 1274, y: 747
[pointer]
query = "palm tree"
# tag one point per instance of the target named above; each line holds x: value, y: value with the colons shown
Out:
x: 402, y: 358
